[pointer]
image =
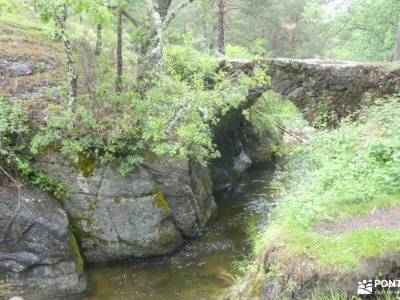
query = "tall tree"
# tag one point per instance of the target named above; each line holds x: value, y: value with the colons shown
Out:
x: 367, y: 30
x: 397, y: 47
x: 99, y: 39
x: 160, y: 15
x: 221, y: 26
x: 118, y: 79
x: 57, y: 11
x: 223, y: 7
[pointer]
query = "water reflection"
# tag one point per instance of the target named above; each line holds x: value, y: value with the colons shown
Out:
x: 202, y: 268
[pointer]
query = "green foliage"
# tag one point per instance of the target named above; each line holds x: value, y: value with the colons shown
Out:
x: 235, y: 52
x: 288, y: 28
x: 91, y: 137
x: 13, y: 124
x: 14, y: 130
x: 332, y: 295
x: 173, y: 118
x: 187, y: 64
x: 278, y: 111
x: 339, y: 174
x: 366, y: 30
x: 325, y: 116
x: 7, y: 6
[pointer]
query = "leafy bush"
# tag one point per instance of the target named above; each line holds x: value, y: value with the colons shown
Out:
x: 14, y: 130
x: 237, y: 52
x: 13, y: 124
x: 174, y: 117
x: 187, y: 64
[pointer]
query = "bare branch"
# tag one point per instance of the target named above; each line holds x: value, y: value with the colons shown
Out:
x: 171, y: 15
x: 230, y: 9
x: 285, y: 130
x: 130, y: 18
x: 18, y: 185
x: 177, y: 116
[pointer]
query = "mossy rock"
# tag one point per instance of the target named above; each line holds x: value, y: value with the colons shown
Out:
x: 75, y: 250
x: 82, y: 234
x: 85, y: 165
x: 117, y: 199
x: 161, y: 203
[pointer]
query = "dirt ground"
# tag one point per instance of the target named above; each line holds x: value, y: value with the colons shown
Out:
x: 382, y: 218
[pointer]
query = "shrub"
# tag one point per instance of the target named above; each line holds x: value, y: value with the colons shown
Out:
x: 14, y: 131
x: 174, y: 117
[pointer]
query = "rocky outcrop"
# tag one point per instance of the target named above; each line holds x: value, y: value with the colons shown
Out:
x: 325, y: 87
x: 145, y: 213
x: 38, y: 253
x: 15, y: 68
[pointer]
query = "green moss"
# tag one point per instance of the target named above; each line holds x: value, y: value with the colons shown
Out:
x: 161, y: 203
x: 82, y: 234
x: 85, y: 165
x: 75, y: 250
x: 117, y: 200
x: 166, y: 239
x: 93, y: 206
x: 148, y: 156
x: 48, y: 148
x: 76, y: 219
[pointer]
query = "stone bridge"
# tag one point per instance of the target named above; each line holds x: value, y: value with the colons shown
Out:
x: 316, y: 87
x: 338, y: 87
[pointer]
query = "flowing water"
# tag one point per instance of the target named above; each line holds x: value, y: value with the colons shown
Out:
x: 202, y: 268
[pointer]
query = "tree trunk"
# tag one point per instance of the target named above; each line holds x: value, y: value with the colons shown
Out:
x: 221, y: 26
x: 99, y: 40
x: 151, y: 61
x: 275, y: 41
x: 162, y: 7
x: 397, y: 49
x: 293, y: 41
x: 118, y: 79
x: 72, y: 77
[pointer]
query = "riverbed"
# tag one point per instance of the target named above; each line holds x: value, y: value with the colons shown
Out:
x: 203, y: 268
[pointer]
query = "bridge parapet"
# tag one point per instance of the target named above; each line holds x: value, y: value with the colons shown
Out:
x: 316, y: 86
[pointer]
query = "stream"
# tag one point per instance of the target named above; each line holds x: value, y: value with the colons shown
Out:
x: 203, y: 268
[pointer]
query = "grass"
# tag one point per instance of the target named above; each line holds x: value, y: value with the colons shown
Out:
x: 26, y: 24
x: 339, y: 174
x: 344, y: 250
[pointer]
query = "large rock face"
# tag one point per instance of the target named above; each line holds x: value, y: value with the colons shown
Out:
x: 142, y: 214
x: 38, y: 254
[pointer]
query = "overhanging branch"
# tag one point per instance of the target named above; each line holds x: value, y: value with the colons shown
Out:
x: 130, y: 18
x: 171, y: 15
